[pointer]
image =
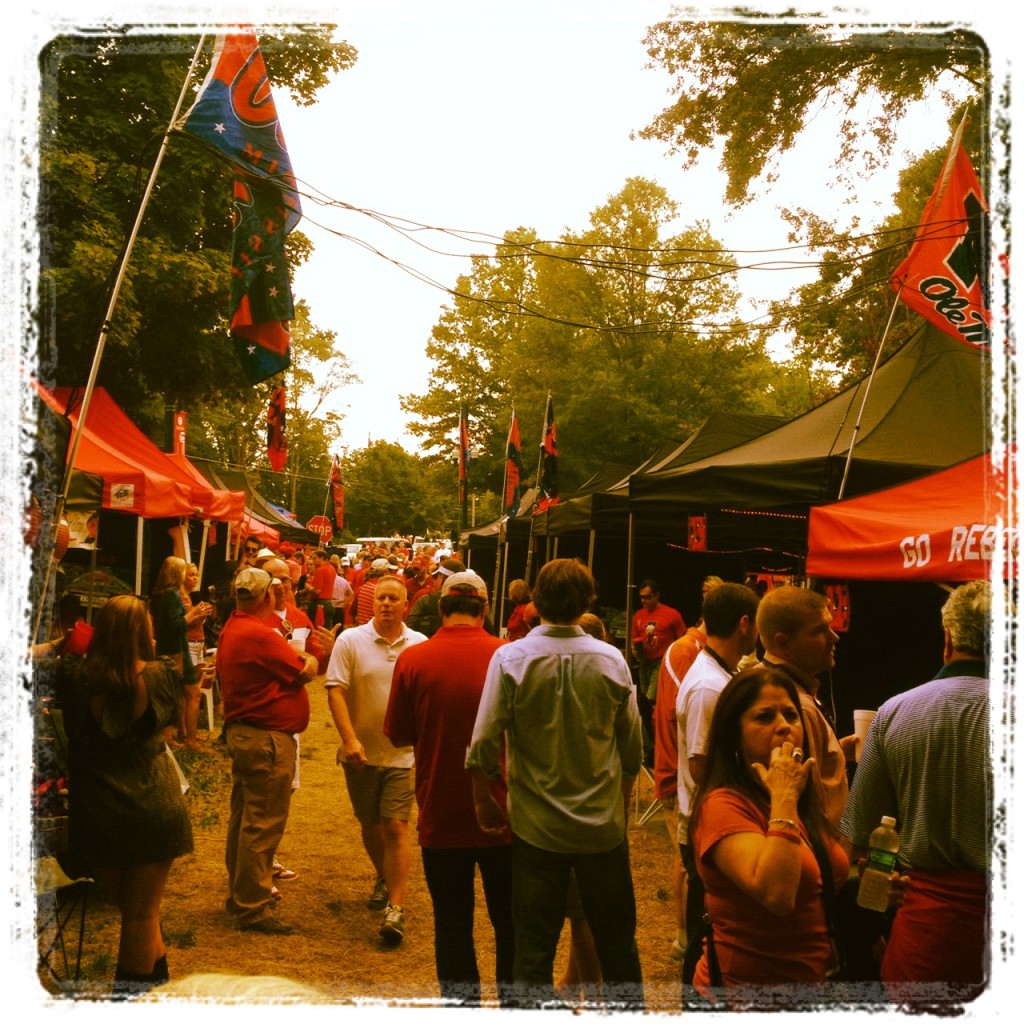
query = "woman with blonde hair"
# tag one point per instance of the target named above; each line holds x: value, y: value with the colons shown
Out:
x: 128, y: 819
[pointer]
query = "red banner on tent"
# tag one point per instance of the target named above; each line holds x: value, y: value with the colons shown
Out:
x: 949, y: 526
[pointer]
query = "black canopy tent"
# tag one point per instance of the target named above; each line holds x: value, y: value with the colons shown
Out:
x: 256, y: 505
x: 925, y: 410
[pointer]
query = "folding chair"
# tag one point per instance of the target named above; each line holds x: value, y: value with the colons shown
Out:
x: 644, y: 814
x: 60, y: 899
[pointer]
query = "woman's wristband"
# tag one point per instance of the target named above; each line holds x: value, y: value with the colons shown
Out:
x: 784, y: 823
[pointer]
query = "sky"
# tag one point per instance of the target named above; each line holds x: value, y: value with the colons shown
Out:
x: 484, y: 117
x: 487, y: 117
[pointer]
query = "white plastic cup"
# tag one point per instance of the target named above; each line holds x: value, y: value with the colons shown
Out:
x: 861, y: 721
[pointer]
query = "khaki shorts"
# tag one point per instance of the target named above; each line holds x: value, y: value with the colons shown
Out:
x: 379, y: 793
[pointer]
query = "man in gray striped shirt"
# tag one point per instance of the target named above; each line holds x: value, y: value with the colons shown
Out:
x: 926, y: 762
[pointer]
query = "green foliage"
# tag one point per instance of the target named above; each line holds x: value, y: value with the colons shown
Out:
x: 838, y: 320
x: 755, y: 81
x: 633, y: 333
x: 106, y: 101
x: 387, y: 489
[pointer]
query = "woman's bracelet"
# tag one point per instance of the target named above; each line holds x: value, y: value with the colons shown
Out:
x: 783, y: 834
x: 785, y: 823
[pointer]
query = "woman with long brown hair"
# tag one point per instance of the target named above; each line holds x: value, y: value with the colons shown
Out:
x: 128, y: 819
x: 770, y: 862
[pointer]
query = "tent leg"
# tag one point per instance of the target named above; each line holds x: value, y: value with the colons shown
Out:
x: 138, y: 556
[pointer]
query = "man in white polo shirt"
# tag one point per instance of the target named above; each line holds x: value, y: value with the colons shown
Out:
x: 379, y: 775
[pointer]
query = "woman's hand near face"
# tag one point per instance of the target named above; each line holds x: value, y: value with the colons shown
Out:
x: 786, y: 775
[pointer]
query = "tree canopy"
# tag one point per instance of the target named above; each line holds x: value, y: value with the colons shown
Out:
x: 106, y: 102
x: 754, y: 81
x: 633, y: 330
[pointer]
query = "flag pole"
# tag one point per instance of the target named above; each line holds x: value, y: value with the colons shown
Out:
x: 77, y: 432
x: 867, y: 391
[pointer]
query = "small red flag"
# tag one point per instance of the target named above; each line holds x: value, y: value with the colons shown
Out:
x: 277, y: 439
x: 337, y: 494
x: 549, y: 466
x: 513, y: 467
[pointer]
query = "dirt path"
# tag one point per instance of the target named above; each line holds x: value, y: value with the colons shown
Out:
x: 336, y: 947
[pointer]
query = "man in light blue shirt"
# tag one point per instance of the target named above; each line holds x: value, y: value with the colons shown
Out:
x: 562, y: 707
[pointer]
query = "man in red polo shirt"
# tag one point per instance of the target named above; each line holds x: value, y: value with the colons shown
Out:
x: 265, y: 705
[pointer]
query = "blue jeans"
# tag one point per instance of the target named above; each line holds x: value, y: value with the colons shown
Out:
x: 540, y: 880
x: 450, y: 878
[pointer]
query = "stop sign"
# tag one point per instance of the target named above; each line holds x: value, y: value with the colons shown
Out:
x: 321, y: 525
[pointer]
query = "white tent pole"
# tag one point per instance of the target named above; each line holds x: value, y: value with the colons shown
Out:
x: 202, y: 549
x: 77, y: 432
x: 138, y: 556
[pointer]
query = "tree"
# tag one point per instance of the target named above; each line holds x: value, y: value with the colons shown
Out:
x: 632, y: 332
x: 105, y: 104
x: 754, y: 83
x: 387, y: 489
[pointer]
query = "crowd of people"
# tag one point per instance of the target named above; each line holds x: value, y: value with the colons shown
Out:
x: 519, y: 753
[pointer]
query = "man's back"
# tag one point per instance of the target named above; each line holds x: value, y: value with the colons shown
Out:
x: 927, y: 763
x: 434, y: 699
x: 567, y: 702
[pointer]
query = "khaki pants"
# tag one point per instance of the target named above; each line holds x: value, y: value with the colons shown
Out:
x: 262, y: 770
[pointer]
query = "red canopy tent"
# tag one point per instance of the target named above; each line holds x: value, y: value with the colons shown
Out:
x: 946, y: 526
x: 112, y: 433
x: 141, y: 488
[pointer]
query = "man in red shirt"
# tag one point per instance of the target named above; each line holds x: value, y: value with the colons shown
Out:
x: 265, y: 705
x: 322, y: 586
x: 432, y: 708
x: 655, y: 627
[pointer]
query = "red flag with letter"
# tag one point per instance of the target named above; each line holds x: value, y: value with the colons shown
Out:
x: 337, y: 494
x: 549, y: 466
x: 513, y: 467
x: 945, y: 274
x: 235, y: 114
x: 277, y: 437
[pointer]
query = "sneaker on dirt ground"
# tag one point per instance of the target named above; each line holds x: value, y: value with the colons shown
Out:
x: 393, y: 928
x: 379, y: 899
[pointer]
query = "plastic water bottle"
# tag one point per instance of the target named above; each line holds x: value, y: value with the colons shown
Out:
x: 873, y: 893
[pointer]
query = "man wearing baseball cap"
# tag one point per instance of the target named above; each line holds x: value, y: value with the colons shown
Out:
x: 424, y: 616
x: 432, y: 708
x: 265, y: 705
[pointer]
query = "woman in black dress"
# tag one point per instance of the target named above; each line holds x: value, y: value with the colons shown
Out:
x: 128, y: 819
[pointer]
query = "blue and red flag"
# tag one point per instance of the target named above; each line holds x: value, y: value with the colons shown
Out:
x: 549, y: 465
x: 513, y: 467
x: 235, y: 114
